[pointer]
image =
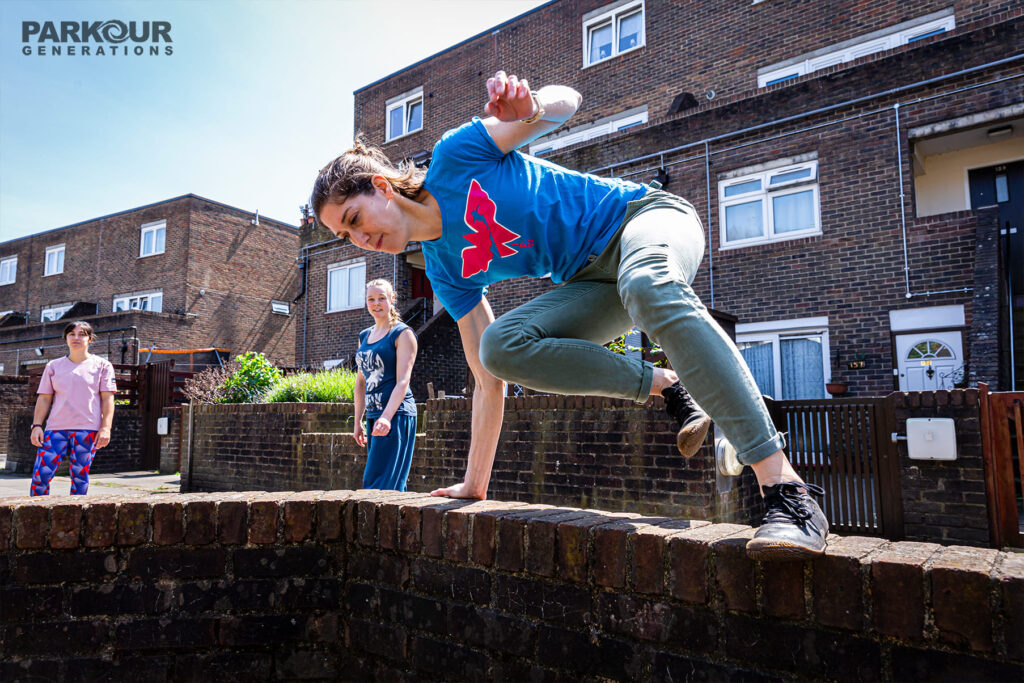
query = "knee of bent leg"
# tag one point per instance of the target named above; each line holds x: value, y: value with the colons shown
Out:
x: 636, y: 288
x: 497, y: 351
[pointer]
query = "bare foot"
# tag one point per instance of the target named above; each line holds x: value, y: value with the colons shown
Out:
x: 662, y: 380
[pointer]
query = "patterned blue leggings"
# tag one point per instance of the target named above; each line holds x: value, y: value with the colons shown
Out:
x: 79, y: 445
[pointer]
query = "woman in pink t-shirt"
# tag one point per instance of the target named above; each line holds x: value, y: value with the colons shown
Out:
x: 77, y: 392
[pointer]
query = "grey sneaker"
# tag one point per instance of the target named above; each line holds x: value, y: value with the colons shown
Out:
x: 793, y: 528
x: 693, y: 422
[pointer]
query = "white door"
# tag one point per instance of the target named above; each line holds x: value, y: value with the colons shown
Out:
x: 929, y: 360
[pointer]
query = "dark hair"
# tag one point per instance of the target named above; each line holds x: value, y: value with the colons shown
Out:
x: 350, y: 174
x: 86, y: 327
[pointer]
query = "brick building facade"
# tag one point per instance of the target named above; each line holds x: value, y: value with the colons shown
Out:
x: 186, y: 273
x: 853, y: 163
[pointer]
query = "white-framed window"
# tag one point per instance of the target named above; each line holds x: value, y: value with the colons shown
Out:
x: 628, y: 119
x: 152, y: 237
x: 346, y: 286
x: 404, y: 114
x: 1, y: 368
x: 51, y: 313
x: 144, y: 301
x: 608, y: 32
x: 847, y: 51
x: 769, y: 206
x: 789, y: 359
x: 8, y: 270
x: 280, y: 307
x: 3, y: 313
x: 54, y: 260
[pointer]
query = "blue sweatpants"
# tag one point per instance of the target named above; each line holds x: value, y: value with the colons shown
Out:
x: 79, y: 445
x: 388, y: 458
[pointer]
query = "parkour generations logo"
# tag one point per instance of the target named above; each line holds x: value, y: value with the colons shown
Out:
x: 96, y: 38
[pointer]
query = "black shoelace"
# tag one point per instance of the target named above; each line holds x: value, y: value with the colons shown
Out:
x: 678, y: 403
x: 785, y: 502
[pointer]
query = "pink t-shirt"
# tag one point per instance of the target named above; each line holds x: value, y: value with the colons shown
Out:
x: 76, y: 391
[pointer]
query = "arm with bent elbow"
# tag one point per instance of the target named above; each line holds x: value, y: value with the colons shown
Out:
x: 488, y: 409
x: 511, y: 105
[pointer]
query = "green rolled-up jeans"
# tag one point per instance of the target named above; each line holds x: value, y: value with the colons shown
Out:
x: 554, y: 343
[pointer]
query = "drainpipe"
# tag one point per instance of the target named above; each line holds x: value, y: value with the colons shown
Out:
x: 711, y: 247
x: 304, y: 265
x: 903, y: 209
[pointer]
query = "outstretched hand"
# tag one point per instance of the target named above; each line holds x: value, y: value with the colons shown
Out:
x: 458, y: 491
x: 509, y: 98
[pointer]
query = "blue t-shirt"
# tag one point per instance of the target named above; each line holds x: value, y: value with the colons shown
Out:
x: 512, y: 215
x: 377, y: 362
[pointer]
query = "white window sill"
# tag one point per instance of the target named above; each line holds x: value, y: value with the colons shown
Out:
x: 157, y: 253
x: 52, y: 274
x: 7, y: 283
x: 342, y: 310
x: 758, y: 242
x: 617, y: 54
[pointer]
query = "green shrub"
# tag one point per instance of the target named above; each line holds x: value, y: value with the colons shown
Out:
x: 253, y: 378
x: 329, y: 386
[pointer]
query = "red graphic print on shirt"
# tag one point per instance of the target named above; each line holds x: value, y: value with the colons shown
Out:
x: 480, y: 217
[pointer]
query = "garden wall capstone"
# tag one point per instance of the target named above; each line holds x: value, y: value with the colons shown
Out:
x: 370, y: 585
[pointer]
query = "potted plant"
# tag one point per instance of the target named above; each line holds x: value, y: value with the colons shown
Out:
x: 835, y: 384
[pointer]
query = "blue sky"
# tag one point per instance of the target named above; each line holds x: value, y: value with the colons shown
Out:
x: 256, y: 96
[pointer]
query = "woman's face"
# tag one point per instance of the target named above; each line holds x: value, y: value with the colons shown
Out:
x: 77, y: 339
x: 370, y: 221
x: 378, y: 303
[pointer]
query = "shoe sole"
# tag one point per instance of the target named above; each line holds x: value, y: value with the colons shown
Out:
x: 691, y: 437
x: 779, y: 550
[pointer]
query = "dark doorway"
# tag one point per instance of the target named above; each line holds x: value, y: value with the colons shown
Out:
x: 1002, y: 185
x: 420, y: 284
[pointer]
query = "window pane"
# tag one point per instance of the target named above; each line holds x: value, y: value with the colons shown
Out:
x: 337, y: 283
x: 156, y: 303
x: 1002, y: 189
x: 803, y: 375
x: 357, y: 285
x: 929, y: 34
x: 119, y: 305
x: 743, y: 188
x: 794, y: 212
x: 600, y: 42
x: 60, y: 261
x: 758, y: 356
x: 147, y: 243
x: 780, y: 178
x: 395, y: 116
x: 744, y: 221
x: 629, y: 31
x: 415, y: 116
x: 160, y: 240
x: 780, y: 79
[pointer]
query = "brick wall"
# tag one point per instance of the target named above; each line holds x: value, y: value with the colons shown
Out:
x: 170, y: 445
x: 13, y: 395
x: 124, y: 454
x: 944, y: 500
x: 373, y: 585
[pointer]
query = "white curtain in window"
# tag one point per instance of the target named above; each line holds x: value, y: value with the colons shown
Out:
x: 759, y: 358
x: 601, y: 42
x: 744, y: 221
x: 629, y: 31
x: 794, y: 211
x: 357, y: 285
x: 396, y: 115
x: 802, y: 369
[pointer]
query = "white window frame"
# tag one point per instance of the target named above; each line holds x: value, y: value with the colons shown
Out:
x: 3, y: 313
x: 766, y: 194
x: 613, y: 16
x: 877, y: 41
x: 9, y: 270
x: 155, y: 227
x: 405, y: 102
x: 350, y: 305
x: 55, y: 312
x: 590, y: 131
x: 280, y: 307
x: 140, y: 301
x: 57, y: 266
x: 775, y: 331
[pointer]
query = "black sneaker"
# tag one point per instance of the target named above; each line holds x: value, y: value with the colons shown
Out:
x: 693, y: 422
x: 793, y: 528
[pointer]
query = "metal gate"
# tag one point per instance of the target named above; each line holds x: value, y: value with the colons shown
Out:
x: 1002, y: 440
x: 843, y: 445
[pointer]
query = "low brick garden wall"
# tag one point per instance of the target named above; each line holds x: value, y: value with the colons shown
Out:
x: 14, y: 395
x: 559, y: 450
x: 124, y: 454
x: 374, y: 585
